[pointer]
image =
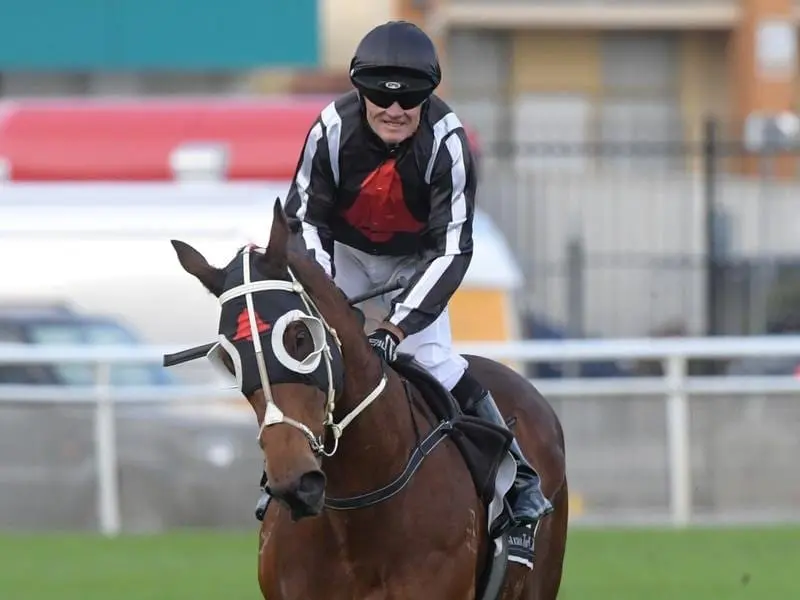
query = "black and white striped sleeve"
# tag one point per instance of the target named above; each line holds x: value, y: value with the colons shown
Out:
x: 312, y: 192
x: 452, y: 178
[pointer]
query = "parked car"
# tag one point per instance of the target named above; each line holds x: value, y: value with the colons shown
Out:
x: 178, y: 464
x: 60, y: 325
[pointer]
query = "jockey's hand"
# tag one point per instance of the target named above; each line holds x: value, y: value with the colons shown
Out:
x: 384, y: 343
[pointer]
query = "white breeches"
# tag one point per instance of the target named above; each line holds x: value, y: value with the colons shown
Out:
x: 358, y: 272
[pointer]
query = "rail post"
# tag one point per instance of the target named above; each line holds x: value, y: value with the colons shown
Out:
x: 678, y: 451
x: 105, y: 439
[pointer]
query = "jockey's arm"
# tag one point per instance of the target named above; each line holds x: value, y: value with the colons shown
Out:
x: 448, y: 239
x: 311, y: 196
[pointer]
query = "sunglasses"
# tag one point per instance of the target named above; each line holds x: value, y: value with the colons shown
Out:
x: 407, y: 100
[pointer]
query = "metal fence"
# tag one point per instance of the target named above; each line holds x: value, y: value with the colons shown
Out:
x: 170, y: 467
x: 669, y: 449
x: 651, y: 237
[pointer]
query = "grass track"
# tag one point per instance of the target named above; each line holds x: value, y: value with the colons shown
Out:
x: 703, y: 564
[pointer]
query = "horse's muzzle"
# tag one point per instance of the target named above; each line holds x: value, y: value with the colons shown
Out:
x: 304, y: 496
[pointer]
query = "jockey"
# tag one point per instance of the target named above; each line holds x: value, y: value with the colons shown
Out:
x: 385, y: 187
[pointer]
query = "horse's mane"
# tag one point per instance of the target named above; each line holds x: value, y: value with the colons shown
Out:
x: 326, y: 292
x: 350, y: 329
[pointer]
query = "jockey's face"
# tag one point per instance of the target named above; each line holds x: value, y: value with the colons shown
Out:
x: 393, y: 124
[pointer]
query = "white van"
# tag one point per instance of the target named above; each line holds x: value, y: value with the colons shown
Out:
x: 104, y: 247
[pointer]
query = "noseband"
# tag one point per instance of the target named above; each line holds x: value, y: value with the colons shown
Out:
x: 317, y: 326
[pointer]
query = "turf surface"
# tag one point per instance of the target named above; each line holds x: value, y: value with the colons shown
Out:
x: 708, y: 564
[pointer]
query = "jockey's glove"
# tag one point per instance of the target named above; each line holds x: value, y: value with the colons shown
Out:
x: 384, y: 343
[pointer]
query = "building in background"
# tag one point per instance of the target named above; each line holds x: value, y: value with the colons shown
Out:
x: 596, y: 120
x: 616, y: 71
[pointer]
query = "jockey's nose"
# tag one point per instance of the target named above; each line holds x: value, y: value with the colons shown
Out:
x: 303, y: 496
x: 395, y: 111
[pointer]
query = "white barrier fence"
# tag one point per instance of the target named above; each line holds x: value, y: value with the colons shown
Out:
x: 676, y: 387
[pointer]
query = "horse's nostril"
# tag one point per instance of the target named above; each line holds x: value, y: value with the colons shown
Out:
x: 304, y: 496
x: 311, y: 485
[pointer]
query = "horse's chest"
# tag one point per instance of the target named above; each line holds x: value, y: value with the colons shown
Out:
x: 339, y: 579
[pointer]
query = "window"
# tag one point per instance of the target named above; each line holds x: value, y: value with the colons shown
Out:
x: 555, y: 124
x: 639, y: 132
x: 20, y: 374
x: 644, y: 62
x: 483, y: 117
x: 9, y: 335
x: 478, y: 80
x: 639, y: 111
x: 478, y: 62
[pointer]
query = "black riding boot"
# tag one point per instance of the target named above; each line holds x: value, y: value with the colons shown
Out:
x: 263, y: 501
x: 528, y: 501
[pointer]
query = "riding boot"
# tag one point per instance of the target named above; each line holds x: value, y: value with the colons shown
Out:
x: 263, y: 501
x: 529, y: 504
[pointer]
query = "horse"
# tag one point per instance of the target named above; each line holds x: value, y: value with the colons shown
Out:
x: 373, y: 493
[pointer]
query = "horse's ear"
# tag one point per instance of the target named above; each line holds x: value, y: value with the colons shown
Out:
x: 194, y: 263
x: 276, y: 253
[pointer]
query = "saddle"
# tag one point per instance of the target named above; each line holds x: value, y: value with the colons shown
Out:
x: 483, y: 445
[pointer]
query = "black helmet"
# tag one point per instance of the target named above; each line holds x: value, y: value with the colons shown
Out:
x: 396, y: 58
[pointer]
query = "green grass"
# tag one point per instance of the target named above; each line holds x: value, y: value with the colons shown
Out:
x: 698, y: 564
x: 707, y: 564
x: 170, y: 567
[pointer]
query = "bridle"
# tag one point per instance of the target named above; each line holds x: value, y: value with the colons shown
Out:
x: 317, y: 326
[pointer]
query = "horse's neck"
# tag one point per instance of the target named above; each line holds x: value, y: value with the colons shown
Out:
x: 375, y: 445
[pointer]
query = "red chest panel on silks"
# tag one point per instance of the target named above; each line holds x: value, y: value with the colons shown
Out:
x: 380, y: 210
